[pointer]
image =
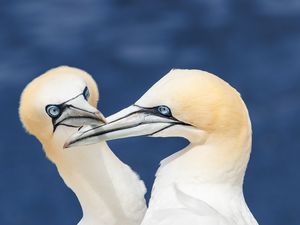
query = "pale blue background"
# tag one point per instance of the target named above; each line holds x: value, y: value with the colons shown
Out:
x: 127, y: 46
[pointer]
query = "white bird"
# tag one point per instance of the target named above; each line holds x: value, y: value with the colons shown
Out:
x: 52, y: 107
x: 203, y: 183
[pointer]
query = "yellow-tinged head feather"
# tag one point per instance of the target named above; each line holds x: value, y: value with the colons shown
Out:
x: 53, y: 87
x: 200, y: 99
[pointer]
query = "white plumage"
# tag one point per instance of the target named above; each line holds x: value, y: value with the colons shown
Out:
x: 201, y: 184
x: 52, y: 107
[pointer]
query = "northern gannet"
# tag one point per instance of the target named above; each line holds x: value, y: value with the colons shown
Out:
x: 203, y: 183
x: 52, y: 107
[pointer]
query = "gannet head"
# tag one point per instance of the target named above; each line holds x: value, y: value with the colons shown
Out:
x: 193, y: 104
x: 54, y: 105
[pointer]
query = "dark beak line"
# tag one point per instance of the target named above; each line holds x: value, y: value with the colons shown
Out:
x: 142, y: 110
x: 74, y: 107
x: 71, y: 99
x: 100, y: 133
x: 163, y: 129
x: 64, y: 107
x: 123, y: 117
x: 122, y: 128
x: 71, y: 117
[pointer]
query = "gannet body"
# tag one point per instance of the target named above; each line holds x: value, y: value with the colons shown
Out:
x: 203, y: 183
x: 52, y: 107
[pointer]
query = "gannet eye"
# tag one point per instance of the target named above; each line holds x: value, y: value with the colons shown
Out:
x: 53, y: 111
x: 164, y: 110
x: 86, y: 93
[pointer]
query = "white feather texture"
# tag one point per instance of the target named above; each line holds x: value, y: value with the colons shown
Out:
x: 201, y: 184
x: 109, y: 192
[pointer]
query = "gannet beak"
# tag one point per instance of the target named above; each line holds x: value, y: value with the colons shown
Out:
x: 78, y: 113
x: 132, y: 121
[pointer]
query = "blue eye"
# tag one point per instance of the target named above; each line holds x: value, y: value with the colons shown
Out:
x: 53, y: 111
x: 164, y: 110
x: 86, y: 93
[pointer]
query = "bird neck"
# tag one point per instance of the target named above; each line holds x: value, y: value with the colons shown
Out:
x: 212, y: 172
x: 97, y: 176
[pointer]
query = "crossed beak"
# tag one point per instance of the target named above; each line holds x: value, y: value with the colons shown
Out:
x: 78, y: 113
x: 132, y: 121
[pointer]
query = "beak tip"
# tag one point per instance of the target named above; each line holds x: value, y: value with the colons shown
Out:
x: 101, y: 117
x: 66, y: 145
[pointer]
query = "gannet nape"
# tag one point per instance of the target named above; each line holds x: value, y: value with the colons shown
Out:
x: 53, y: 107
x: 201, y: 184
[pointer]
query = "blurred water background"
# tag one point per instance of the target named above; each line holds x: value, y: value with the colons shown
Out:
x: 127, y: 46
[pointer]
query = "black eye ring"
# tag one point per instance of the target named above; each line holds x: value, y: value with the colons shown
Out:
x: 53, y: 111
x: 86, y: 93
x: 164, y: 110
